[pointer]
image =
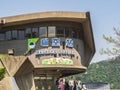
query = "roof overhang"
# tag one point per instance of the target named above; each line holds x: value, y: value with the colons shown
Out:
x: 59, y: 71
x: 44, y: 16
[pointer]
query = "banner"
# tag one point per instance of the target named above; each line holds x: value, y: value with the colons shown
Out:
x: 57, y: 61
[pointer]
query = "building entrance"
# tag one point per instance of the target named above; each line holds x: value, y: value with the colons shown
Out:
x: 44, y: 83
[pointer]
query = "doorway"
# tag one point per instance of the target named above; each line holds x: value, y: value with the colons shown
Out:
x: 44, y: 83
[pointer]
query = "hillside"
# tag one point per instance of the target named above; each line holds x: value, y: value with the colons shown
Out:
x: 104, y: 71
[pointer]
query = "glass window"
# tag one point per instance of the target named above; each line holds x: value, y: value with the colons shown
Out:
x: 80, y: 35
x: 67, y: 33
x: 2, y: 36
x: 14, y: 34
x: 51, y: 31
x: 74, y: 33
x: 43, y: 32
x: 78, y: 32
x: 34, y: 32
x: 28, y: 33
x: 8, y: 35
x: 21, y: 34
x: 60, y: 32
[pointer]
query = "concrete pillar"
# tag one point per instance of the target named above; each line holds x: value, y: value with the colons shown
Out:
x: 25, y: 82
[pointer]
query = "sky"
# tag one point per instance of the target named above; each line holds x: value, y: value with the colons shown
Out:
x: 105, y: 15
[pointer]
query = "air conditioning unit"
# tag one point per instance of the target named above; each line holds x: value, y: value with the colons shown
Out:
x: 11, y: 51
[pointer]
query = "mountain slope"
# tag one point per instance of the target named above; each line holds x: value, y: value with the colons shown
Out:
x: 104, y: 71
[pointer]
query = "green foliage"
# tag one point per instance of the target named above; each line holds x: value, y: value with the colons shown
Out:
x: 111, y: 71
x: 4, y: 55
x: 2, y: 73
x: 104, y: 71
x: 114, y: 41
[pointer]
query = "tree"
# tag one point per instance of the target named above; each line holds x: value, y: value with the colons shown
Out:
x: 2, y: 73
x: 115, y: 51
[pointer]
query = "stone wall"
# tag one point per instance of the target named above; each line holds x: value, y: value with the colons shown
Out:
x: 25, y: 82
x: 6, y: 84
x: 20, y: 68
x: 19, y: 46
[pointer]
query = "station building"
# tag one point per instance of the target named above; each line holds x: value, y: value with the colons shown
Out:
x: 37, y: 48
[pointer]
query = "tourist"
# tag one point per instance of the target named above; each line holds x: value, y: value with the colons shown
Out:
x: 83, y: 87
x: 78, y: 84
x: 56, y: 84
x: 71, y: 83
x: 66, y: 85
x: 61, y: 86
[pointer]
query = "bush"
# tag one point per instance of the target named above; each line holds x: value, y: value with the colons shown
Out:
x: 2, y: 73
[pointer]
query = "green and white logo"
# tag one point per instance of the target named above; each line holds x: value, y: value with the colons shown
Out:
x: 31, y: 43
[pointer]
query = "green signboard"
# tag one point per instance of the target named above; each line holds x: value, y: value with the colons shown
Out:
x: 31, y: 43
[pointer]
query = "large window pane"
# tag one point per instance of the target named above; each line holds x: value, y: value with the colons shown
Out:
x: 21, y: 34
x: 60, y: 32
x: 34, y: 32
x: 51, y: 31
x: 80, y: 35
x: 67, y: 33
x: 8, y: 35
x: 43, y: 32
x: 28, y: 33
x: 2, y: 36
x: 74, y: 33
x: 14, y: 34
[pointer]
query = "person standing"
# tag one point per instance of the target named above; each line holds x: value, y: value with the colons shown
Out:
x: 66, y: 85
x: 56, y: 84
x: 78, y: 84
x: 83, y: 87
x: 71, y: 83
x: 61, y: 86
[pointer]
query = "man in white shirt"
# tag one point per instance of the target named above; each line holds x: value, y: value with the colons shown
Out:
x: 71, y: 83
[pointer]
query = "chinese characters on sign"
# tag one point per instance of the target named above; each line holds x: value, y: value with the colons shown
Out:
x: 69, y: 42
x: 44, y: 42
x: 62, y: 52
x: 56, y: 42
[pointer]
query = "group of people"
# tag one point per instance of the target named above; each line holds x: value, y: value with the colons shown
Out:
x: 71, y: 84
